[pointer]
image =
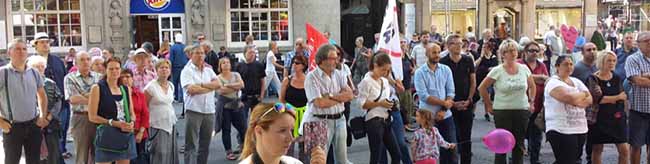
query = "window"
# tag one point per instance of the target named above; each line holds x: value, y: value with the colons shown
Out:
x: 266, y: 20
x: 60, y: 19
x: 557, y: 17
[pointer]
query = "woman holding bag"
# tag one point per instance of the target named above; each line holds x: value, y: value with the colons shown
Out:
x: 110, y: 108
x: 160, y: 96
x: 229, y: 101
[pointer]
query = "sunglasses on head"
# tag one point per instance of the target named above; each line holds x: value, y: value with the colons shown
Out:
x: 278, y: 108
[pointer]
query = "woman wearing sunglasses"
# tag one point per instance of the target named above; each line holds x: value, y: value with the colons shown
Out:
x: 293, y: 92
x: 270, y: 134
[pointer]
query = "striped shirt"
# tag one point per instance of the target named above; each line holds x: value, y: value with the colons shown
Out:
x: 638, y: 65
x: 76, y: 85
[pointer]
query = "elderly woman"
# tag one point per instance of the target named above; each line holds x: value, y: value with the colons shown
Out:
x: 160, y: 96
x: 270, y: 135
x: 97, y: 65
x: 607, y: 117
x: 565, y: 100
x: 514, y: 94
x: 111, y: 109
x: 54, y: 98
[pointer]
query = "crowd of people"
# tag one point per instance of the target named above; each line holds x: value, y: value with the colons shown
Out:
x: 122, y: 110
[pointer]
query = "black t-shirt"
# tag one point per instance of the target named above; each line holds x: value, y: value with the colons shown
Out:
x: 406, y: 68
x: 252, y: 74
x: 461, y: 72
x: 213, y: 60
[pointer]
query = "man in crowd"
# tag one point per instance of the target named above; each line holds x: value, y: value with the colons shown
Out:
x: 299, y: 49
x: 211, y: 57
x: 77, y: 90
x: 199, y: 83
x: 20, y: 119
x: 108, y: 52
x: 637, y: 69
x: 582, y: 69
x: 628, y: 49
x: 419, y: 51
x: 252, y: 73
x: 464, y: 76
x: 56, y: 71
x: 434, y: 36
x: 434, y: 86
x: 327, y: 91
x: 179, y: 59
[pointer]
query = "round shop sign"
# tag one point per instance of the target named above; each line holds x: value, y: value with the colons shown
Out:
x: 157, y: 5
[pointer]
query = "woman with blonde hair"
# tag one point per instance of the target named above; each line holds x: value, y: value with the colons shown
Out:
x: 160, y: 96
x: 607, y: 117
x: 163, y: 52
x: 270, y: 134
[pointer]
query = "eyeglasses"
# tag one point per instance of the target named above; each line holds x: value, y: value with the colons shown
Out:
x: 278, y: 108
x: 533, y: 51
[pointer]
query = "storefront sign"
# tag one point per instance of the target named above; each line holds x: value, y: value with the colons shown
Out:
x: 157, y: 6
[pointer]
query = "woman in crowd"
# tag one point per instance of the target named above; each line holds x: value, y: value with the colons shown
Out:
x: 293, y: 92
x: 163, y: 52
x: 107, y: 108
x: 160, y: 96
x: 271, y: 79
x: 514, y: 94
x: 228, y: 100
x: 54, y: 98
x: 97, y: 65
x: 69, y: 58
x: 141, y: 110
x: 397, y: 125
x: 374, y: 94
x: 607, y: 117
x: 484, y: 65
x: 565, y: 100
x: 270, y: 135
x: 361, y: 57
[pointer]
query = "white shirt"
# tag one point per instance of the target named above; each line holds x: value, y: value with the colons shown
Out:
x: 369, y: 90
x: 284, y: 159
x: 270, y: 59
x: 161, y: 110
x: 560, y: 117
x: 420, y: 55
x: 203, y: 103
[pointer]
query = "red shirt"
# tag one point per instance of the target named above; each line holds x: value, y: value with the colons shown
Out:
x: 141, y: 110
x: 539, y: 88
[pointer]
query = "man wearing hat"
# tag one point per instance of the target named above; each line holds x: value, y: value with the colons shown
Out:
x: 178, y: 58
x: 56, y: 71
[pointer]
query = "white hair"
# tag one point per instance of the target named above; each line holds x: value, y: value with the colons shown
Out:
x: 78, y: 56
x: 97, y: 58
x: 36, y: 59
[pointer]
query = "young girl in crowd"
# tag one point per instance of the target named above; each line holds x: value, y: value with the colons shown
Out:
x: 427, y: 139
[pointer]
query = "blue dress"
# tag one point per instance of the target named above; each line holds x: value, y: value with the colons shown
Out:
x: 110, y: 107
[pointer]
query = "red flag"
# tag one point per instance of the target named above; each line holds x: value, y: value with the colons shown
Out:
x: 314, y: 39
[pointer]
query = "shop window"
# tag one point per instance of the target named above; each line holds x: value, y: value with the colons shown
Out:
x: 60, y: 19
x: 557, y: 17
x: 266, y: 20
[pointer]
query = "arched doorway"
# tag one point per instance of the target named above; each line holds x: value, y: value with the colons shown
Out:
x: 504, y: 22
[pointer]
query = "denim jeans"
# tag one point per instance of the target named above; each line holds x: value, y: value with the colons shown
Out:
x: 534, y: 139
x: 447, y: 129
x: 64, y: 116
x: 336, y: 136
x: 176, y: 80
x: 398, y: 131
x: 380, y: 138
x: 232, y: 117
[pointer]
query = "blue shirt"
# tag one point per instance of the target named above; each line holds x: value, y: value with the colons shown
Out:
x: 177, y: 56
x: 288, y: 60
x: 621, y: 56
x: 22, y: 88
x: 438, y: 83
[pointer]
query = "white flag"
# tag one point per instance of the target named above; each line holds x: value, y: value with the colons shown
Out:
x: 389, y: 40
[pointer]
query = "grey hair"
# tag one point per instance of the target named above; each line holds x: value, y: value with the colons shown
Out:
x: 642, y: 36
x: 12, y: 44
x: 36, y: 59
x: 78, y: 56
x: 323, y: 51
x: 208, y: 44
x: 191, y: 48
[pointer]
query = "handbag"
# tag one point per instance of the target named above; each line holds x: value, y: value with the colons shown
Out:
x: 111, y: 138
x: 232, y: 103
x: 358, y: 124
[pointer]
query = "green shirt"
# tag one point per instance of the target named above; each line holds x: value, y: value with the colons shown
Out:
x: 510, y: 90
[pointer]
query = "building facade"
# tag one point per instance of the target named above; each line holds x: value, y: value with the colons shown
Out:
x: 126, y: 24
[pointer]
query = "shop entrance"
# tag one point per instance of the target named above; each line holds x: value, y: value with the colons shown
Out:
x: 156, y: 28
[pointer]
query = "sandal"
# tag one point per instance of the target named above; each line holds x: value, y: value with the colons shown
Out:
x: 66, y: 155
x: 231, y: 156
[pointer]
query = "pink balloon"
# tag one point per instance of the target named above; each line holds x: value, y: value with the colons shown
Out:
x: 499, y: 141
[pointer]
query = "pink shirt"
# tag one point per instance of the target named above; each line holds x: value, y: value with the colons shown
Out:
x: 141, y: 79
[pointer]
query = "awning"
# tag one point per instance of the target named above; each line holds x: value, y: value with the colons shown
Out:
x: 157, y: 6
